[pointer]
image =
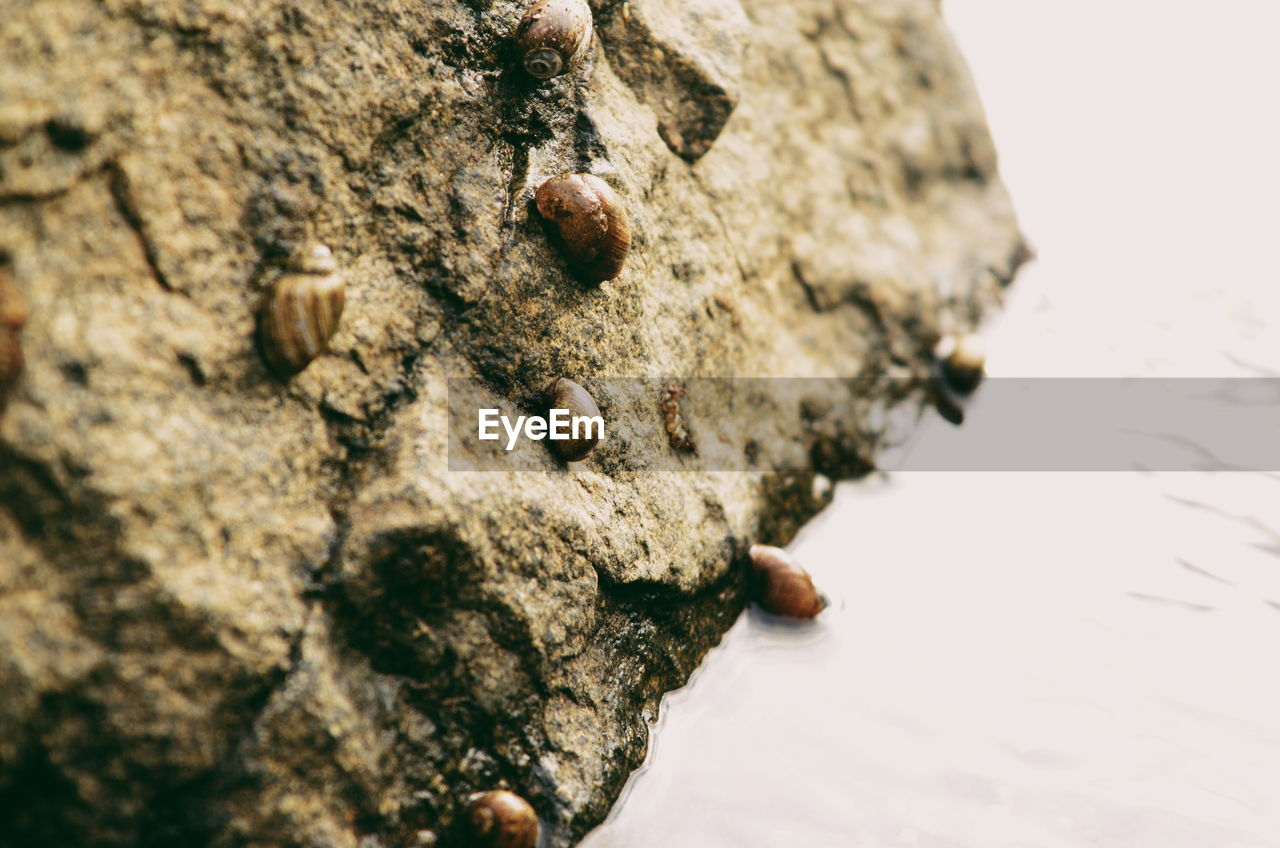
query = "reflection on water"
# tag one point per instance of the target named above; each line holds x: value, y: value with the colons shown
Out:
x: 1033, y: 659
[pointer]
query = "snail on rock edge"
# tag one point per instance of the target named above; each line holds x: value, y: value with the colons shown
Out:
x: 963, y: 363
x: 502, y: 819
x: 781, y: 586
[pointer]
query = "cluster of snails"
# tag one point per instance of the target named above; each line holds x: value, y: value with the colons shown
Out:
x: 13, y: 315
x: 300, y: 313
x: 959, y: 366
x: 502, y: 819
x: 588, y: 218
x: 673, y: 420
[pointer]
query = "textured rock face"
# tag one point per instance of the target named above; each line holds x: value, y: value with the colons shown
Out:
x: 238, y: 611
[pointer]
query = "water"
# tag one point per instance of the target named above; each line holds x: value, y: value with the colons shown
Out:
x: 1015, y: 659
x: 1036, y: 659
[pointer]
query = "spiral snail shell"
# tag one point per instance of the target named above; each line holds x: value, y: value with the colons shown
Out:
x: 590, y: 221
x: 502, y: 819
x: 553, y: 35
x: 566, y: 394
x: 13, y: 314
x: 301, y: 313
x: 964, y: 363
x: 782, y: 587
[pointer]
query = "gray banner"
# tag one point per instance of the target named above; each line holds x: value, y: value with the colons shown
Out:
x: 707, y: 424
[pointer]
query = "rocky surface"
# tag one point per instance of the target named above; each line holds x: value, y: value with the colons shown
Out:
x: 235, y: 611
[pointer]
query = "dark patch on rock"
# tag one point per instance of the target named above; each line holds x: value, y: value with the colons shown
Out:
x: 684, y: 58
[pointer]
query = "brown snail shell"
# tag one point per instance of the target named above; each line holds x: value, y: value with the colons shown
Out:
x: 963, y: 366
x: 553, y: 35
x: 566, y: 394
x: 502, y: 819
x: 590, y: 221
x: 782, y: 587
x: 302, y: 311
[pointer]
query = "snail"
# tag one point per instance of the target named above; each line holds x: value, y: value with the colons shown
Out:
x: 963, y: 360
x: 13, y: 314
x: 673, y: 420
x: 502, y: 819
x: 301, y: 313
x: 782, y: 587
x: 566, y: 394
x: 553, y: 35
x: 590, y: 221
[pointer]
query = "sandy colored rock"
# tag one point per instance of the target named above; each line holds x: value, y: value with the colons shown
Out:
x: 240, y: 612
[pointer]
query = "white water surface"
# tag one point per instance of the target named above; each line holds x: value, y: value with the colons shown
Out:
x: 1032, y: 659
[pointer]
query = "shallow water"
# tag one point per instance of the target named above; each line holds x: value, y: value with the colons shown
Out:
x: 1101, y: 676
x: 1041, y: 659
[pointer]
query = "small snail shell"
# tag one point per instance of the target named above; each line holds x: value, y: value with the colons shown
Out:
x: 566, y: 394
x: 502, y: 819
x: 963, y: 365
x: 302, y: 311
x: 13, y: 315
x: 782, y: 587
x: 591, y: 222
x: 553, y: 35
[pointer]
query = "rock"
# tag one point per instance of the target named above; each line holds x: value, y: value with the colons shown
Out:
x: 13, y: 315
x: 684, y: 60
x: 239, y: 612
